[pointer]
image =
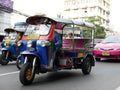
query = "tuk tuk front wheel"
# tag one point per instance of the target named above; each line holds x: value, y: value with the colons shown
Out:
x: 3, y: 60
x: 26, y: 75
x: 86, y: 65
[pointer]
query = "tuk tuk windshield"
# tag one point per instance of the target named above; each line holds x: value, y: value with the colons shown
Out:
x: 21, y: 28
x: 37, y: 30
x: 11, y: 36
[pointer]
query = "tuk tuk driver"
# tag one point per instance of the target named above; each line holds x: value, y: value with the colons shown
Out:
x: 57, y: 40
x: 57, y: 44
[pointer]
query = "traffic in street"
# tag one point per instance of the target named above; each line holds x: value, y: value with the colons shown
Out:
x: 104, y: 76
x: 71, y: 45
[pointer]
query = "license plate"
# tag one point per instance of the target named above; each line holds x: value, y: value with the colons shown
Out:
x: 105, y: 53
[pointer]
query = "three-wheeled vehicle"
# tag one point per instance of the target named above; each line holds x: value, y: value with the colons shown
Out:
x: 23, y: 45
x: 49, y: 55
x: 10, y: 51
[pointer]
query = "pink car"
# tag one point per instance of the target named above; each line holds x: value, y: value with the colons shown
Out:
x: 109, y: 48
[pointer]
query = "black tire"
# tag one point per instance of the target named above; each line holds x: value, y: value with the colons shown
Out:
x: 26, y: 70
x: 3, y: 60
x: 86, y: 65
x: 19, y: 63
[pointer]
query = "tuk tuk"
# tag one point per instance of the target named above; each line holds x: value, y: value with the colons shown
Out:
x: 23, y: 45
x: 10, y: 51
x: 48, y: 56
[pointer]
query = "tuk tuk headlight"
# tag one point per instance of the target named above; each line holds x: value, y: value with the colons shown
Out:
x: 45, y: 43
x: 5, y: 44
x: 19, y: 43
x: 29, y: 44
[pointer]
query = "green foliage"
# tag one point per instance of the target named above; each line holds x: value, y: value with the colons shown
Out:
x: 99, y: 30
x: 86, y: 32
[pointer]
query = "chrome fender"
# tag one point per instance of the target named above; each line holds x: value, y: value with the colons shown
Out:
x: 29, y: 53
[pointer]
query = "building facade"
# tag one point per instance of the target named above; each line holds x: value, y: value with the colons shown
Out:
x: 80, y: 9
x: 6, y: 8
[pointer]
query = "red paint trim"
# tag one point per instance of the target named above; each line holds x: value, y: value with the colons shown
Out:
x: 51, y: 33
x: 24, y: 37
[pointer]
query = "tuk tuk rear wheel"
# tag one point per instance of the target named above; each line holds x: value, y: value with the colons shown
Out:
x: 26, y: 75
x: 86, y: 65
x: 3, y: 60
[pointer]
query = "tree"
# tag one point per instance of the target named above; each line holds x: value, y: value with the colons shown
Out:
x: 99, y: 30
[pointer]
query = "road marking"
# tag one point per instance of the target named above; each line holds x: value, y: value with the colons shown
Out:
x: 117, y: 88
x: 4, y: 74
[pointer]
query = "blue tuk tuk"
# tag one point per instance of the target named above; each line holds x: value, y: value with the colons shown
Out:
x: 23, y: 45
x: 9, y: 50
x: 48, y: 56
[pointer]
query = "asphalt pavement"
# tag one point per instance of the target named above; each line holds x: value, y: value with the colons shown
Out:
x: 104, y: 76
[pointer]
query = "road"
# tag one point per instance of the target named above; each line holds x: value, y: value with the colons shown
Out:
x: 104, y: 76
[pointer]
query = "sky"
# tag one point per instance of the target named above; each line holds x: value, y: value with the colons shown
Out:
x: 115, y: 15
x: 34, y: 6
x: 53, y: 7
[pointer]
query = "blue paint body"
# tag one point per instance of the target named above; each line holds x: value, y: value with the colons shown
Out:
x: 12, y: 48
x: 41, y: 52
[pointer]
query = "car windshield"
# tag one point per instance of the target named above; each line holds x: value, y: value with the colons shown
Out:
x: 112, y: 39
x: 42, y: 29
